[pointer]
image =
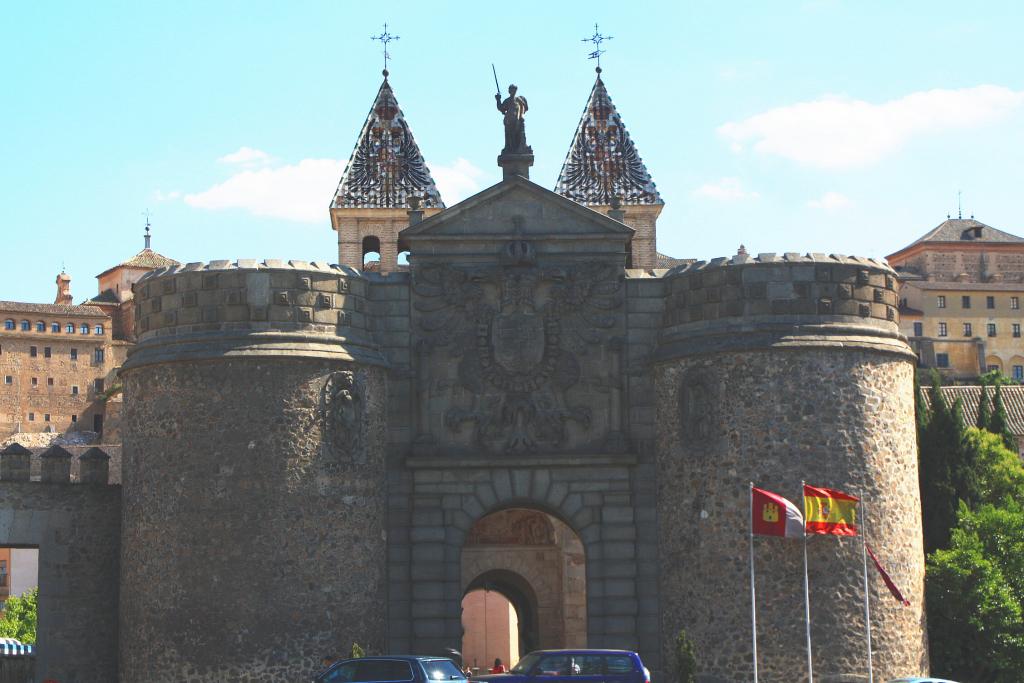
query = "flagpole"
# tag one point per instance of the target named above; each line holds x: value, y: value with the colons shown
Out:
x: 807, y: 602
x: 867, y: 595
x: 753, y: 597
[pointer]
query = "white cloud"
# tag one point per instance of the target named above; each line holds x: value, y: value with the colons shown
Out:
x: 456, y: 181
x: 245, y: 156
x: 840, y: 132
x: 830, y: 201
x: 162, y: 196
x: 296, y: 192
x: 725, y: 190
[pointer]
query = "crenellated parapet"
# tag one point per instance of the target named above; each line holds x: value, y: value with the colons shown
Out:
x: 246, y: 308
x: 778, y: 301
x: 55, y: 466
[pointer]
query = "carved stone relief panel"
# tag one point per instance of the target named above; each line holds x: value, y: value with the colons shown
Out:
x: 342, y: 409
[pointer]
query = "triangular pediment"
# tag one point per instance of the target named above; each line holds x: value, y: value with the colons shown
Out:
x: 516, y: 206
x: 386, y: 166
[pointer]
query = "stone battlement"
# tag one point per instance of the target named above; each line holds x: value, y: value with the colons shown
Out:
x: 772, y: 301
x: 252, y: 308
x: 16, y: 466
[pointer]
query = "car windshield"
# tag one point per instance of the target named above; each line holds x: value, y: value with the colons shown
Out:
x: 526, y: 664
x: 442, y: 670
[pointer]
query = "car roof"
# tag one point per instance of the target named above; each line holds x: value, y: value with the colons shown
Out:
x: 583, y: 651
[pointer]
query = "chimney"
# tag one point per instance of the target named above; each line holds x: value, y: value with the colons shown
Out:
x: 63, y: 289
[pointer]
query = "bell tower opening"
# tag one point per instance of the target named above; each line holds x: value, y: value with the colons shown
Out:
x: 524, y: 587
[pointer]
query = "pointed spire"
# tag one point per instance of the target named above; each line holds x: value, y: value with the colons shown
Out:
x: 602, y: 161
x: 386, y: 166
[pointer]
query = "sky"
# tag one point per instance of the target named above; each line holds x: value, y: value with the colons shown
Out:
x: 807, y: 125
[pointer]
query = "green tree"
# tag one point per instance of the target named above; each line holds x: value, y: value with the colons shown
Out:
x: 356, y: 652
x: 941, y: 467
x: 998, y: 473
x: 975, y: 597
x: 686, y: 659
x: 995, y: 378
x: 1000, y: 421
x: 20, y: 617
x: 984, y: 413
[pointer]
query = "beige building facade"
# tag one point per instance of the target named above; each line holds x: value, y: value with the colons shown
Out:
x: 961, y: 287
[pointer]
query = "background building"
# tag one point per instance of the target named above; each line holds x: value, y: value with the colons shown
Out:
x: 961, y: 287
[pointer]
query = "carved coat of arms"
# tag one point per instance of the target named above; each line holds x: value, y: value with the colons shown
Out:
x: 517, y: 330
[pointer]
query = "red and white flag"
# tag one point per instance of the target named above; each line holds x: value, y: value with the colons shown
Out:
x: 773, y: 515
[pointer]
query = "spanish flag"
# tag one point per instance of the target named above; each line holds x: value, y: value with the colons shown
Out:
x: 830, y: 512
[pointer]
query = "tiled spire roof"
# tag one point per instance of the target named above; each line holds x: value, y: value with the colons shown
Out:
x: 603, y: 162
x: 386, y: 166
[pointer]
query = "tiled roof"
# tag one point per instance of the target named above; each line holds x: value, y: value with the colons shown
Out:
x: 966, y: 230
x: 51, y: 309
x: 105, y: 297
x: 1013, y: 400
x: 969, y: 286
x: 602, y: 161
x: 386, y: 166
x: 147, y: 258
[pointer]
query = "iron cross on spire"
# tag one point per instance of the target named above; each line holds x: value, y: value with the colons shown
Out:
x: 384, y: 39
x: 596, y: 39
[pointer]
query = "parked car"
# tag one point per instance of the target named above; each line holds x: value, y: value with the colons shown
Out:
x: 578, y: 666
x: 391, y: 669
x: 919, y: 680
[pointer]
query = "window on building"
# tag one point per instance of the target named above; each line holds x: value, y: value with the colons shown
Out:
x: 69, y: 328
x: 98, y: 385
x: 97, y: 423
x: 968, y: 330
x: 1016, y: 329
x: 8, y: 379
x: 74, y: 390
x: 9, y: 324
x: 1018, y: 372
x: 46, y: 417
x: 1015, y: 303
x: 84, y: 329
x: 918, y: 329
x: 943, y: 331
x: 49, y: 381
x: 26, y: 326
x: 40, y: 326
x: 33, y: 351
x: 992, y: 368
x: 99, y: 329
x: 942, y: 360
x: 47, y: 352
x: 991, y: 329
x: 74, y: 418
x: 965, y: 302
x: 98, y: 355
x: 940, y: 301
x: 74, y: 354
x: 55, y: 328
x: 35, y: 381
x: 990, y: 302
x: 31, y: 417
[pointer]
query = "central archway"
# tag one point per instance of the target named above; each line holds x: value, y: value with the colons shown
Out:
x: 536, y: 563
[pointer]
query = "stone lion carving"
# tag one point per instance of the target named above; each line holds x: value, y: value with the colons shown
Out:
x: 697, y: 406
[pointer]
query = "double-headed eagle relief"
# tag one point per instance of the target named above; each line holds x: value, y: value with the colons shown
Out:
x: 519, y: 332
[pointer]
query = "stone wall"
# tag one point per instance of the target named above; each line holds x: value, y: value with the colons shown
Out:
x: 254, y: 473
x: 76, y: 528
x: 792, y: 394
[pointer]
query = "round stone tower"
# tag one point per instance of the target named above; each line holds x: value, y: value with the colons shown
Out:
x: 253, y: 473
x: 774, y: 370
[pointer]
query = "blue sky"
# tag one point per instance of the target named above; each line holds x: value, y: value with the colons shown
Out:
x: 817, y: 125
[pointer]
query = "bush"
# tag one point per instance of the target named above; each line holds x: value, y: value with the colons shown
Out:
x: 357, y: 651
x: 20, y: 617
x: 686, y: 660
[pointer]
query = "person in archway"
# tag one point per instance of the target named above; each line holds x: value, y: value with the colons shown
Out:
x: 498, y: 667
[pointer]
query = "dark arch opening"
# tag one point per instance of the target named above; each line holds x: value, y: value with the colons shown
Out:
x: 519, y: 593
x: 403, y: 254
x: 371, y: 250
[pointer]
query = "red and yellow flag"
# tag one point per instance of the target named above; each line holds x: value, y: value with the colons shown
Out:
x: 827, y: 511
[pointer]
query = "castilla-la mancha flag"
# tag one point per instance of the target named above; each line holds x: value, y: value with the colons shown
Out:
x: 830, y: 512
x: 773, y: 515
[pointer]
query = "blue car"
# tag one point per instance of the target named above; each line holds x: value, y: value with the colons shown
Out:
x: 391, y: 669
x: 919, y: 680
x: 577, y: 666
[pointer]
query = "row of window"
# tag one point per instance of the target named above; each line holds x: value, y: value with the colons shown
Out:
x: 69, y: 328
x: 990, y: 302
x: 97, y: 384
x: 97, y: 354
x: 943, y: 331
x: 942, y: 361
x: 97, y: 420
